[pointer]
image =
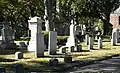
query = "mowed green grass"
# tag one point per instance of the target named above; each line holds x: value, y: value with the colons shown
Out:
x: 7, y: 58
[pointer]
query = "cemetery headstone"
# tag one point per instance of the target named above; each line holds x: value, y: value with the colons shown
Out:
x: 67, y: 59
x: 36, y: 42
x: 79, y: 48
x: 87, y: 39
x: 114, y: 37
x: 18, y: 55
x: 52, y: 42
x: 39, y: 51
x: 90, y: 46
x: 71, y: 39
x: 53, y: 62
x: 100, y: 43
x: 71, y: 49
x: 7, y: 37
x: 117, y: 36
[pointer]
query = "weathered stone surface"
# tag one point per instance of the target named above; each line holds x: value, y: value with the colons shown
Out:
x: 34, y: 26
x: 53, y: 62
x: 18, y: 55
x: 67, y: 59
x: 52, y: 43
x: 100, y: 43
x: 90, y: 46
x: 79, y: 48
x: 71, y: 39
x: 113, y: 40
x: 39, y: 51
x: 86, y: 39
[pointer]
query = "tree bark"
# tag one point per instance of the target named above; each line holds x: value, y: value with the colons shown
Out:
x: 106, y: 24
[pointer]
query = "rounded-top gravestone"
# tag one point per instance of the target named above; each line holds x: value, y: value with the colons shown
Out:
x: 18, y: 55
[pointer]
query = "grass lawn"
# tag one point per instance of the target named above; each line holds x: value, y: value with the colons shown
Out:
x: 7, y: 58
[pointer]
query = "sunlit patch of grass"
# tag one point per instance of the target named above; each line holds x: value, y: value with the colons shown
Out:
x: 30, y: 62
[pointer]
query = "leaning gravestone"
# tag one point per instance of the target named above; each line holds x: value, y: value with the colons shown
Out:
x: 52, y: 42
x: 99, y: 43
x: 36, y: 42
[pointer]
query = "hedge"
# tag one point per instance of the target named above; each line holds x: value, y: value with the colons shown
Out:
x: 61, y: 40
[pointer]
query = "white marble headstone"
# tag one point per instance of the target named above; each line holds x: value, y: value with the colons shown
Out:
x: 34, y: 26
x: 71, y: 39
x: 100, y: 43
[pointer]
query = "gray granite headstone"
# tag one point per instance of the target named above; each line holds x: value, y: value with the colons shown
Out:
x: 39, y: 51
x: 52, y: 42
x: 90, y: 46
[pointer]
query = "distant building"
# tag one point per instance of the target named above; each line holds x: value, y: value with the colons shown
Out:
x: 115, y: 18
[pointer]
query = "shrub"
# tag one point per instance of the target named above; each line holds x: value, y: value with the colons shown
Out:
x: 61, y: 40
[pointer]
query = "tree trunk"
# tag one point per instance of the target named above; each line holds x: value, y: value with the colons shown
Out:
x: 107, y: 26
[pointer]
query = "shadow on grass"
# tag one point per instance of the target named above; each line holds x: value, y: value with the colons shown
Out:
x: 7, y: 52
x: 85, y: 51
x: 80, y: 54
x: 6, y: 60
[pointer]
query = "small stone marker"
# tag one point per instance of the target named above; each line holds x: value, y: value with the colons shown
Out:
x: 18, y: 68
x: 100, y: 43
x: 2, y: 70
x: 53, y: 62
x: 63, y: 49
x: 22, y: 44
x: 70, y: 49
x: 52, y: 43
x: 18, y: 55
x: 67, y: 59
x: 79, y: 48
